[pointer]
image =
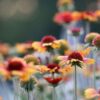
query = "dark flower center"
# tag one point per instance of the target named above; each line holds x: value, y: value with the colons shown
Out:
x: 75, y: 55
x: 48, y: 39
x: 15, y: 66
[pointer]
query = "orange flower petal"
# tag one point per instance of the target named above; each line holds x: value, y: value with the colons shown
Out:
x: 89, y: 61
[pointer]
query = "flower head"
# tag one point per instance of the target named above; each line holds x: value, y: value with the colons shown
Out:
x: 48, y: 39
x: 63, y: 18
x: 90, y: 16
x: 64, y: 2
x: 76, y: 58
x: 89, y: 37
x: 54, y: 67
x: 75, y: 31
x: 96, y: 41
x: 91, y: 93
x: 16, y: 64
x: 31, y: 58
x: 53, y: 81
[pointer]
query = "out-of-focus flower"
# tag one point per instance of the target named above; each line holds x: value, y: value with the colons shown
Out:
x: 17, y: 67
x: 97, y: 13
x: 76, y: 58
x: 31, y: 59
x: 64, y: 2
x: 48, y: 40
x: 23, y: 48
x: 76, y: 16
x: 90, y: 16
x: 4, y: 48
x: 89, y: 37
x: 96, y: 41
x: 75, y: 31
x: 63, y: 18
x: 45, y: 44
x: 38, y: 47
x: 91, y: 93
x: 61, y: 46
x: 53, y: 81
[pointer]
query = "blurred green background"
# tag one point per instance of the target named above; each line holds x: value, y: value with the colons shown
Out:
x: 17, y: 24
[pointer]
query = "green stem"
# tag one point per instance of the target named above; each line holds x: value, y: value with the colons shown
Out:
x: 75, y: 82
x: 54, y: 96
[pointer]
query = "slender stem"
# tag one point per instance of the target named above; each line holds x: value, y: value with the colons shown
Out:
x: 28, y: 95
x: 94, y: 70
x: 54, y: 96
x: 87, y: 27
x: 75, y: 82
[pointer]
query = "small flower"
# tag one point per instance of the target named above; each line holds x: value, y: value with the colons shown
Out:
x: 91, y: 93
x: 48, y: 40
x: 64, y: 2
x: 76, y: 58
x: 31, y: 58
x: 18, y: 67
x: 75, y: 31
x: 97, y: 13
x: 96, y: 41
x: 63, y: 18
x: 89, y: 37
x: 77, y: 16
x: 90, y: 16
x: 53, y: 67
x: 53, y: 81
x: 16, y: 64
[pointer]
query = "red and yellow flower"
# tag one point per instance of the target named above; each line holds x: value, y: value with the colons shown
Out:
x: 89, y: 16
x: 76, y: 58
x: 63, y: 18
x: 17, y: 67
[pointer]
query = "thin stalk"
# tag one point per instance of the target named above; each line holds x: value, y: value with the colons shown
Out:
x: 75, y: 82
x: 87, y: 27
x: 54, y: 96
x: 94, y: 70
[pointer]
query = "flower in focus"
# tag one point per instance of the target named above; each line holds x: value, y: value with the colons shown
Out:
x: 90, y: 16
x: 96, y: 41
x: 76, y: 16
x: 89, y: 37
x: 63, y: 18
x: 76, y: 58
x: 91, y: 93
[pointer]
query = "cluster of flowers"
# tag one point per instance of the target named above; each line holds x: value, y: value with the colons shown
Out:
x: 59, y: 64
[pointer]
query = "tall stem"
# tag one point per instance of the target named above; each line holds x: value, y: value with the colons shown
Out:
x: 87, y: 27
x: 94, y: 69
x: 75, y: 82
x: 54, y: 96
